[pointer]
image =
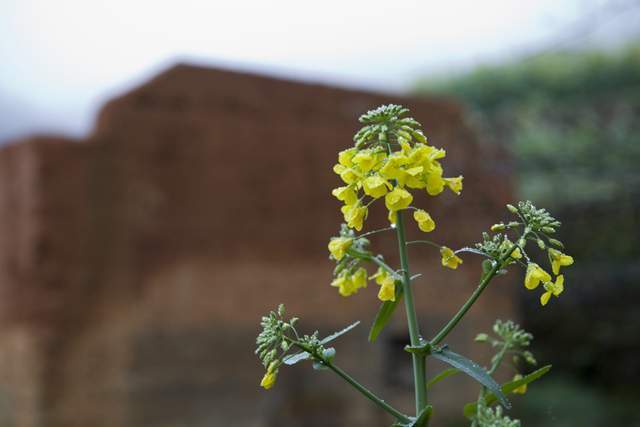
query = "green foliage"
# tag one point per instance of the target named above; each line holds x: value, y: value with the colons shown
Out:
x: 568, y: 118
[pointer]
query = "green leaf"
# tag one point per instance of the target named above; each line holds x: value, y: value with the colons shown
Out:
x: 472, y: 369
x: 384, y: 314
x: 442, y: 375
x: 508, y: 387
x: 339, y: 333
x: 292, y: 359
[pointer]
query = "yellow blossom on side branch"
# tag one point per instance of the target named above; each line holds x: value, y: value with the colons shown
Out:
x: 387, y: 285
x: 424, y: 220
x: 558, y: 259
x: 535, y: 274
x: 338, y: 246
x: 551, y: 288
x: 449, y: 258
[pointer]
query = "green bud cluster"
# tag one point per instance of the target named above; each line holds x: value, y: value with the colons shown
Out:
x: 489, y: 417
x: 384, y: 126
x: 272, y: 343
x: 513, y: 337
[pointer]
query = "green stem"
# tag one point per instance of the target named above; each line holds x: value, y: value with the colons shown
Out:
x: 474, y: 296
x: 352, y: 381
x: 368, y: 394
x: 419, y: 368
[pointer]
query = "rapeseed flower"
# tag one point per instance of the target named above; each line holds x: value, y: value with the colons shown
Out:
x: 424, y: 220
x: 387, y: 284
x: 551, y: 288
x: 535, y: 275
x: 398, y: 199
x: 449, y: 258
x: 558, y: 259
x: 338, y: 246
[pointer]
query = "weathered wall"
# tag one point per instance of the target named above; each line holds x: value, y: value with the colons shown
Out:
x: 135, y: 265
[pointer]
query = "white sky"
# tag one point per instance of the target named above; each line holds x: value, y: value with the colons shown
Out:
x: 61, y: 59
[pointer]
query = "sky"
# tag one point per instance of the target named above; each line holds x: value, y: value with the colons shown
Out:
x: 61, y: 60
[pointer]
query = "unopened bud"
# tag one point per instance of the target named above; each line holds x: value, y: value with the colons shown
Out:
x: 513, y: 224
x: 549, y: 230
x: 512, y: 209
x: 541, y: 244
x: 497, y: 227
x: 481, y: 338
x: 556, y: 243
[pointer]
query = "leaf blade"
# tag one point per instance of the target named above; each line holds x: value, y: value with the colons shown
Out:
x: 508, y: 387
x: 472, y: 369
x: 385, y: 312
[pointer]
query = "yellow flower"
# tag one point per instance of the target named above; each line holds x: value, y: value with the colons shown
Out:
x: 359, y: 278
x: 449, y: 258
x: 345, y: 194
x: 345, y: 157
x: 338, y: 246
x: 435, y: 184
x: 365, y: 160
x: 454, y: 184
x: 269, y: 378
x: 551, y: 288
x: 398, y: 199
x: 425, y: 222
x: 534, y: 276
x: 413, y: 177
x: 354, y: 215
x: 387, y: 285
x: 375, y: 186
x: 345, y: 285
x: 347, y: 174
x: 349, y: 284
x: 522, y: 389
x: 558, y: 259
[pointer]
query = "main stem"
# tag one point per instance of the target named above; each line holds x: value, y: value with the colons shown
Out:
x: 419, y: 368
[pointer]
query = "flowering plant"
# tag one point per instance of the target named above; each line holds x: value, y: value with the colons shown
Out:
x: 392, y: 160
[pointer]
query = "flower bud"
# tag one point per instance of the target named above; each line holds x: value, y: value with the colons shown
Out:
x: 549, y: 230
x: 541, y: 244
x: 512, y: 209
x: 497, y: 227
x: 481, y: 338
x: 556, y: 243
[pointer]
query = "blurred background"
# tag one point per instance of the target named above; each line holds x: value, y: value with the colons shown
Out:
x: 142, y: 225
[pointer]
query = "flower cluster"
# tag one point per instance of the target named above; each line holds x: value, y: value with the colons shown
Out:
x: 537, y: 226
x: 390, y: 156
x: 349, y: 274
x: 490, y: 417
x: 349, y: 252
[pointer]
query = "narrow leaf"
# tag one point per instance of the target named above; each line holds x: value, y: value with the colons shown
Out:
x: 508, y: 387
x: 292, y: 359
x: 442, y: 375
x: 339, y: 333
x: 384, y: 314
x: 472, y: 369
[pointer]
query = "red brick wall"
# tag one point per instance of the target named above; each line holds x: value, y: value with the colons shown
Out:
x: 135, y: 265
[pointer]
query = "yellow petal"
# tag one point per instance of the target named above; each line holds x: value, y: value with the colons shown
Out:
x: 544, y: 298
x: 268, y: 380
